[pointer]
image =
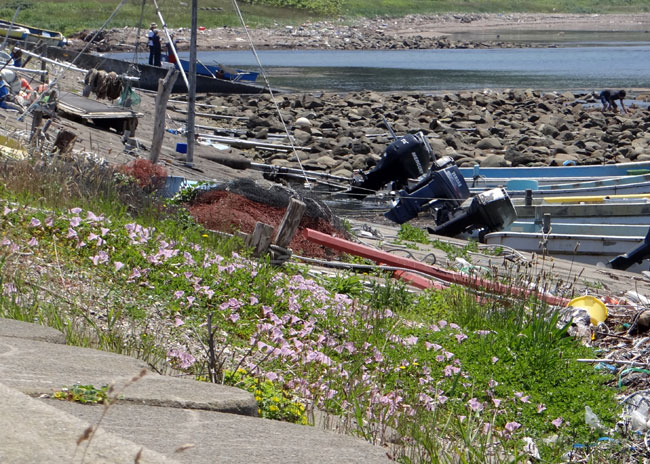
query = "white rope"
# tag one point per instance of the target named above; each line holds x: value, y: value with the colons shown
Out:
x: 268, y: 86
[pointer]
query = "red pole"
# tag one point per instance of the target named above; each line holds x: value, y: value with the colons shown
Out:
x: 442, y: 274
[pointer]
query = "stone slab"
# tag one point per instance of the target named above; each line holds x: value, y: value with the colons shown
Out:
x: 20, y: 329
x: 33, y: 431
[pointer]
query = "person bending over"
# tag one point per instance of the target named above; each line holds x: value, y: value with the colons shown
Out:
x: 608, y: 99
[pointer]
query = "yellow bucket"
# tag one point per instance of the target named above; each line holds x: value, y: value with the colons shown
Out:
x: 596, y: 308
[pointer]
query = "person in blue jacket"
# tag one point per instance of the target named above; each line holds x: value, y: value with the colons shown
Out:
x: 608, y: 99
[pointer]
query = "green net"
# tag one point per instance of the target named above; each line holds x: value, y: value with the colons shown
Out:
x: 128, y: 97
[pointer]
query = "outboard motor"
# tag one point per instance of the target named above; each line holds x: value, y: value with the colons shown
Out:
x: 442, y: 191
x: 488, y: 212
x: 622, y: 262
x: 408, y: 157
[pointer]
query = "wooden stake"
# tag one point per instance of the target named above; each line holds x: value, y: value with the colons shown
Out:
x: 290, y: 223
x: 164, y: 90
x: 261, y: 238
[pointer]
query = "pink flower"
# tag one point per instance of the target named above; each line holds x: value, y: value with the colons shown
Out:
x: 460, y: 337
x: 433, y: 346
x: 35, y: 223
x: 522, y: 398
x: 541, y: 407
x: 32, y: 242
x: 178, y: 322
x: 475, y: 405
x: 272, y: 376
x: 450, y: 370
x: 49, y: 221
x: 496, y: 402
x: 494, y: 359
x: 557, y: 422
x: 118, y: 265
x: 412, y: 340
x: 512, y: 426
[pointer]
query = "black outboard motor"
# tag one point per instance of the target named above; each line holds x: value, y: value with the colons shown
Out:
x: 637, y: 255
x: 489, y: 211
x: 442, y: 191
x: 408, y: 157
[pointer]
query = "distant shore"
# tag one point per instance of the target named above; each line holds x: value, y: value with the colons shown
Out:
x: 412, y: 31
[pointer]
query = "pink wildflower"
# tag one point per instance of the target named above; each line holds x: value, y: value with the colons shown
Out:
x: 35, y: 223
x: 557, y: 422
x: 512, y: 426
x: 475, y: 405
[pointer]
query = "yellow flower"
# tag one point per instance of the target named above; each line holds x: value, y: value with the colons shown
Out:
x: 204, y: 235
x: 273, y: 408
x: 275, y: 399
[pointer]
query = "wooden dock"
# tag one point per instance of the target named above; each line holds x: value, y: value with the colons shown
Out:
x: 100, y: 114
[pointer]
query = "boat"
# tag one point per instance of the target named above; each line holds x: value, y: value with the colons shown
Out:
x: 221, y: 71
x: 581, y: 243
x: 631, y: 211
x: 12, y: 31
x: 626, y: 185
x: 490, y: 177
x: 148, y: 76
x: 31, y: 34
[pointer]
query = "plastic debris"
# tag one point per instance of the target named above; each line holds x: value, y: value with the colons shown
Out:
x: 592, y: 419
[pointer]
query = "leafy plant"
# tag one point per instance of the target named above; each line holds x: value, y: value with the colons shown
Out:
x: 273, y: 402
x: 83, y: 394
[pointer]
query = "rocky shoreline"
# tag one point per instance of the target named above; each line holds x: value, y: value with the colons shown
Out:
x: 408, y: 32
x: 341, y: 133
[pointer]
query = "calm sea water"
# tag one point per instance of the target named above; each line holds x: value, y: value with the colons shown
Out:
x: 587, y: 61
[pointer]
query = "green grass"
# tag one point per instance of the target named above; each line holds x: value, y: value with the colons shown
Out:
x: 69, y: 16
x: 117, y: 268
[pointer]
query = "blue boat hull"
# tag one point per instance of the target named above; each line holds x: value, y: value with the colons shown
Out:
x: 216, y: 71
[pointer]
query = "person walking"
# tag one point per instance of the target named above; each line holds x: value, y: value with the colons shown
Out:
x: 150, y: 35
x: 608, y: 99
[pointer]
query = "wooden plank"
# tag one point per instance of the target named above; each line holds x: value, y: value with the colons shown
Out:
x: 290, y: 223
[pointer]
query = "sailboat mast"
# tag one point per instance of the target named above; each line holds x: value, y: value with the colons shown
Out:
x: 189, y: 160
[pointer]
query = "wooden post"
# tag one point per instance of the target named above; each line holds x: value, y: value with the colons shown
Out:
x: 290, y: 223
x: 37, y: 120
x: 164, y: 90
x: 261, y: 238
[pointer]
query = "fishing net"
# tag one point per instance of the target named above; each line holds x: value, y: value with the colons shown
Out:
x: 129, y: 98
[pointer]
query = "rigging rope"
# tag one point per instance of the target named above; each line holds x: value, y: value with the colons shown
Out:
x: 268, y: 86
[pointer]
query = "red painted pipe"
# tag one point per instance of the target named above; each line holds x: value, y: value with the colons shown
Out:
x: 442, y: 274
x: 417, y: 280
